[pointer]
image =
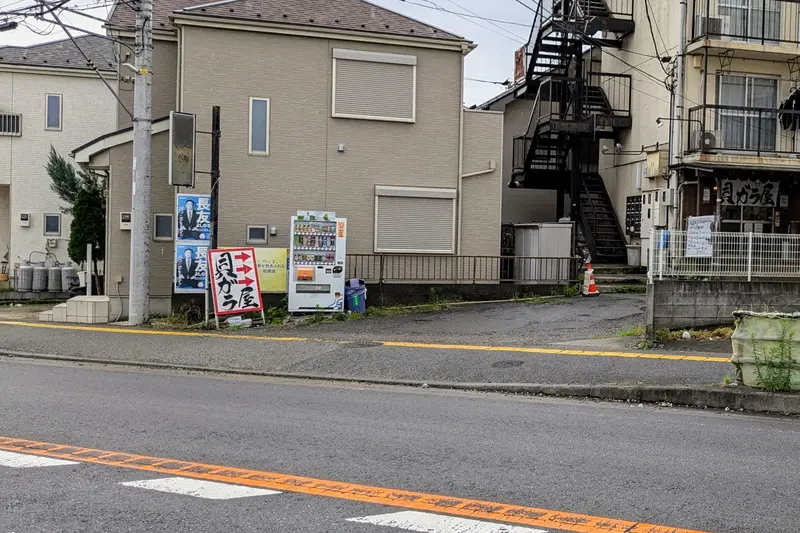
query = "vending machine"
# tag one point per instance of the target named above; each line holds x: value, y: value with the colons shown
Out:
x: 317, y: 257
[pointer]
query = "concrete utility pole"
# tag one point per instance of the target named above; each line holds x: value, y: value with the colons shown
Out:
x: 139, y: 282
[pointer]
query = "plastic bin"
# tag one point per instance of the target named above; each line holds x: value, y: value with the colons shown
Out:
x: 355, y: 294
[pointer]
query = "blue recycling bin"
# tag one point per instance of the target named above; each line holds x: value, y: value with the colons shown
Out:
x: 355, y: 294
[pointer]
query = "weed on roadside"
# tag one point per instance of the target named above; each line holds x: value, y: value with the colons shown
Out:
x: 721, y: 333
x: 646, y: 344
x: 636, y: 331
x: 630, y: 289
x: 573, y: 289
x: 774, y: 364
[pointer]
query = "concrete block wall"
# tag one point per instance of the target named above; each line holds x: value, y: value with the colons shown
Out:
x: 677, y: 304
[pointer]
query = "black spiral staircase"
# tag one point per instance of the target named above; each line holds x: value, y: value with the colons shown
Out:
x: 576, y: 104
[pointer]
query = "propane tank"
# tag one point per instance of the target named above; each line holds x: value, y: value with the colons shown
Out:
x: 54, y: 279
x: 39, y: 278
x: 24, y: 281
x: 68, y: 273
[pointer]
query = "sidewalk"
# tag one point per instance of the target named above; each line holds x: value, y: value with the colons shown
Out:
x: 495, y: 343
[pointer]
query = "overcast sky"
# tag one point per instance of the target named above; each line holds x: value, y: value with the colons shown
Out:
x: 493, y: 60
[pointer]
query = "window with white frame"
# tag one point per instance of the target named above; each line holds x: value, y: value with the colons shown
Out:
x: 415, y: 220
x: 53, y: 112
x: 162, y: 226
x: 746, y: 120
x: 256, y: 234
x: 259, y: 126
x: 374, y: 86
x: 52, y: 225
x: 751, y: 20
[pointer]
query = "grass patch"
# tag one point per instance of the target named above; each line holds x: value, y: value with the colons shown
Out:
x: 405, y: 310
x: 636, y: 331
x: 721, y: 333
x: 774, y: 363
x: 573, y: 289
x: 630, y: 289
x: 529, y: 299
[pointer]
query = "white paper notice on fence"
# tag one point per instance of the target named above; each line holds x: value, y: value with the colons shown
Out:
x: 698, y: 236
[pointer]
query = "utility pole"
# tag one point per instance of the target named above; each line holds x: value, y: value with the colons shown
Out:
x: 139, y: 282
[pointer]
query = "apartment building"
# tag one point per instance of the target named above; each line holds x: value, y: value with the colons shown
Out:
x: 344, y: 107
x: 599, y: 87
x: 49, y: 96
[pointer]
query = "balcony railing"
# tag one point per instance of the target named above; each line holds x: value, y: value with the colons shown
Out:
x: 622, y: 9
x: 753, y: 130
x: 756, y: 21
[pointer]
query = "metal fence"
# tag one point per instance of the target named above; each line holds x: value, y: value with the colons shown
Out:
x: 724, y: 255
x: 461, y: 269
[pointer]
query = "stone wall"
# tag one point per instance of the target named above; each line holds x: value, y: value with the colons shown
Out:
x: 677, y: 304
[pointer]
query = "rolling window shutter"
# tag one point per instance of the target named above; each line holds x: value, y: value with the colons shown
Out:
x: 373, y: 89
x: 411, y: 224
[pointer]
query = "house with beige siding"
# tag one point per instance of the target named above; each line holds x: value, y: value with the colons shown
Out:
x: 345, y: 107
x: 49, y: 96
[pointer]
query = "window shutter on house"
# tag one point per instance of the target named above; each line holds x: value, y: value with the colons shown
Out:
x: 409, y: 222
x: 374, y: 86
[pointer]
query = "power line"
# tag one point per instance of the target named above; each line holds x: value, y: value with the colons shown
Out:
x: 517, y: 39
x: 490, y: 22
x: 506, y: 83
x: 663, y: 43
x: 445, y: 10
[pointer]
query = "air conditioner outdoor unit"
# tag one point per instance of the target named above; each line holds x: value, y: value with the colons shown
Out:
x: 708, y: 25
x: 706, y: 140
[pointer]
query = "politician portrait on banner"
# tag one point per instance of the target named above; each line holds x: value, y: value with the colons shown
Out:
x: 193, y: 217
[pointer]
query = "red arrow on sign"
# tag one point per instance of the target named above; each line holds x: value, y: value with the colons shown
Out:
x: 244, y: 268
x: 242, y: 256
x: 246, y: 281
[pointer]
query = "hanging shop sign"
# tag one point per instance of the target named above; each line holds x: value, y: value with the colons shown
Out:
x: 234, y: 281
x: 749, y: 193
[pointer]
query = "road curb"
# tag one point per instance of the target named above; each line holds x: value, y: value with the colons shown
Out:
x: 734, y: 398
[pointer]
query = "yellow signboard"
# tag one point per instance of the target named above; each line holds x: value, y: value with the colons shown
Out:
x: 272, y: 268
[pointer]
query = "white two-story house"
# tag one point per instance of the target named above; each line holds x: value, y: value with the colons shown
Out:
x: 50, y: 95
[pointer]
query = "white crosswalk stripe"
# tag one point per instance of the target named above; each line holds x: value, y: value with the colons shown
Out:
x: 434, y: 523
x: 200, y: 489
x: 21, y: 460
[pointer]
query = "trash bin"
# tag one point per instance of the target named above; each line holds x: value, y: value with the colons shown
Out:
x: 355, y: 293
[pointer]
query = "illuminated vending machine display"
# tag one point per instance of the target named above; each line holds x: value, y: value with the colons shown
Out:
x: 317, y: 255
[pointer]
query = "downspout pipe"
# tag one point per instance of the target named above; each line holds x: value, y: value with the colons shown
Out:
x: 464, y: 51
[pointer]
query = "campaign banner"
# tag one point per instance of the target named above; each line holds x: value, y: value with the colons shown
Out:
x: 234, y: 281
x: 191, y: 264
x: 193, y: 217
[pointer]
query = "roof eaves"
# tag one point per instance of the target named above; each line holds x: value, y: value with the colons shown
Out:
x: 453, y: 35
x: 450, y: 41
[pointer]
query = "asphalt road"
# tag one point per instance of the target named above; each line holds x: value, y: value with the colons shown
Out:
x: 359, y: 356
x: 698, y: 470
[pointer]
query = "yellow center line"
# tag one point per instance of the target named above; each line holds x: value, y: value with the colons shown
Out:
x: 514, y: 514
x: 390, y: 344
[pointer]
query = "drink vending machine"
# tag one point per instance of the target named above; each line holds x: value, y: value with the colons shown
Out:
x: 317, y: 256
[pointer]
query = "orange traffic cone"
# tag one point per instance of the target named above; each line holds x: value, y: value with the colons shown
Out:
x: 589, y: 287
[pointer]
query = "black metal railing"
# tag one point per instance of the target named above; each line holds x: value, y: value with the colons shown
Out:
x: 756, y: 21
x: 618, y: 89
x: 758, y: 130
x: 461, y: 269
x: 593, y: 8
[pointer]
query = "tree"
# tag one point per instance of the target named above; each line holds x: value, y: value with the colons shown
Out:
x: 83, y: 192
x: 67, y: 182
